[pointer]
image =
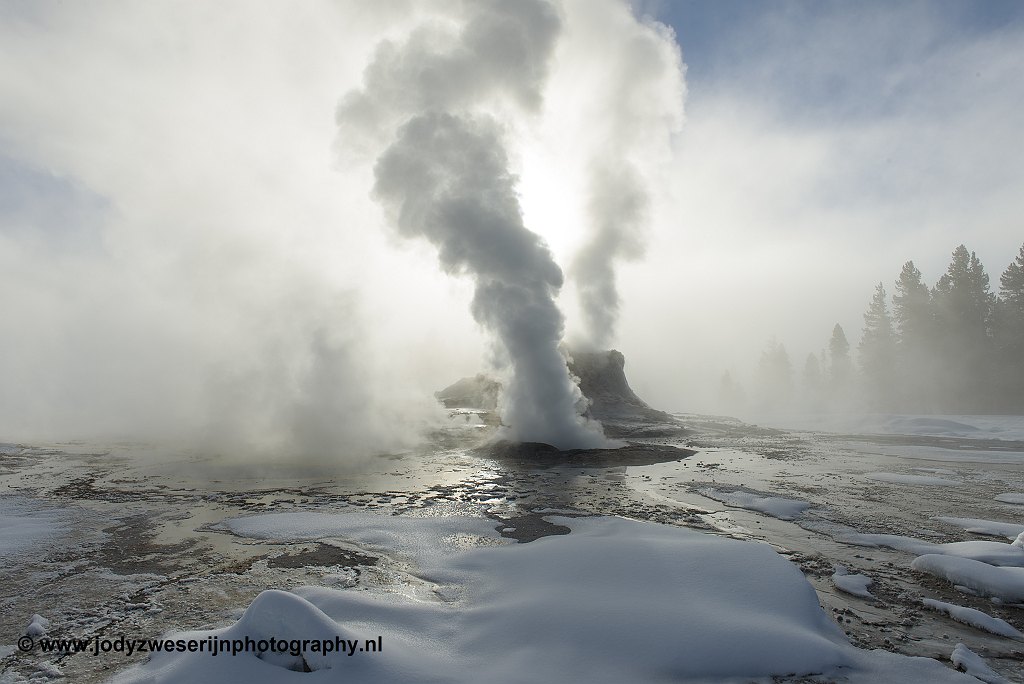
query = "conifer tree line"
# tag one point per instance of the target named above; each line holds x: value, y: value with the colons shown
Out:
x: 955, y: 347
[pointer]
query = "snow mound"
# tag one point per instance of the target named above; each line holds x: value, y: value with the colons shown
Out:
x: 778, y: 507
x: 37, y: 626
x: 1003, y: 583
x: 974, y: 665
x: 902, y: 478
x: 855, y: 585
x: 927, y: 425
x: 976, y: 618
x: 993, y: 553
x: 989, y: 527
x: 614, y: 601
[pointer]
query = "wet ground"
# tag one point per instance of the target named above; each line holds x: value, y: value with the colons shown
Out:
x: 135, y: 548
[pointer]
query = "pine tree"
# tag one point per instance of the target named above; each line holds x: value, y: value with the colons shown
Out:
x: 914, y: 315
x: 1011, y: 282
x: 813, y: 385
x: 1008, y: 336
x: 841, y: 367
x: 912, y: 309
x: 962, y: 297
x: 877, y: 350
x: 730, y: 393
x: 775, y: 376
x: 963, y: 309
x: 812, y: 374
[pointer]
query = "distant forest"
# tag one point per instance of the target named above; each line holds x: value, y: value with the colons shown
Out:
x: 955, y: 348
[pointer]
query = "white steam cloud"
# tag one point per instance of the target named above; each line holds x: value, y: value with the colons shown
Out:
x: 636, y: 104
x: 444, y: 175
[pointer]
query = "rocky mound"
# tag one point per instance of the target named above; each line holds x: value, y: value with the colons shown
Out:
x: 602, y: 379
x: 478, y: 392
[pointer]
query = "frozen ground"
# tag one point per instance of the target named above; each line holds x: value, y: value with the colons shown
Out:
x: 743, y: 561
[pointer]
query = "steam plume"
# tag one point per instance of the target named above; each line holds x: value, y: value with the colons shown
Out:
x: 444, y: 176
x: 639, y: 100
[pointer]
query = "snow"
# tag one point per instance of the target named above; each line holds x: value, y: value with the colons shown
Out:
x: 25, y: 523
x: 778, y: 507
x: 936, y: 453
x: 971, y: 427
x: 1004, y: 583
x: 976, y: 618
x: 974, y: 665
x: 615, y: 600
x: 989, y: 527
x: 901, y: 478
x: 37, y: 626
x: 856, y: 585
x: 1011, y: 498
x: 993, y: 553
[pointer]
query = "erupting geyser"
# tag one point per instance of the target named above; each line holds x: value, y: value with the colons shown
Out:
x: 435, y: 112
x: 443, y: 175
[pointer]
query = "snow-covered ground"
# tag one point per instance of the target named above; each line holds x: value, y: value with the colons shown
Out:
x: 28, y: 524
x: 976, y: 427
x: 616, y: 600
x: 906, y: 478
x: 457, y: 566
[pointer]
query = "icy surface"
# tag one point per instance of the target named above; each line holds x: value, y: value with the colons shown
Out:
x: 778, y: 507
x: 975, y: 618
x: 25, y: 524
x: 1011, y: 497
x: 856, y: 585
x: 425, y: 539
x: 974, y: 665
x: 990, y: 527
x: 616, y: 600
x: 1003, y: 583
x: 972, y: 427
x: 902, y: 478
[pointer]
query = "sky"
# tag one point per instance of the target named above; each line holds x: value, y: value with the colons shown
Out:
x: 192, y: 249
x: 825, y: 145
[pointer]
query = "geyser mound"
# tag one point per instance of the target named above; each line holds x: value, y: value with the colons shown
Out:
x: 608, y: 397
x: 602, y: 379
